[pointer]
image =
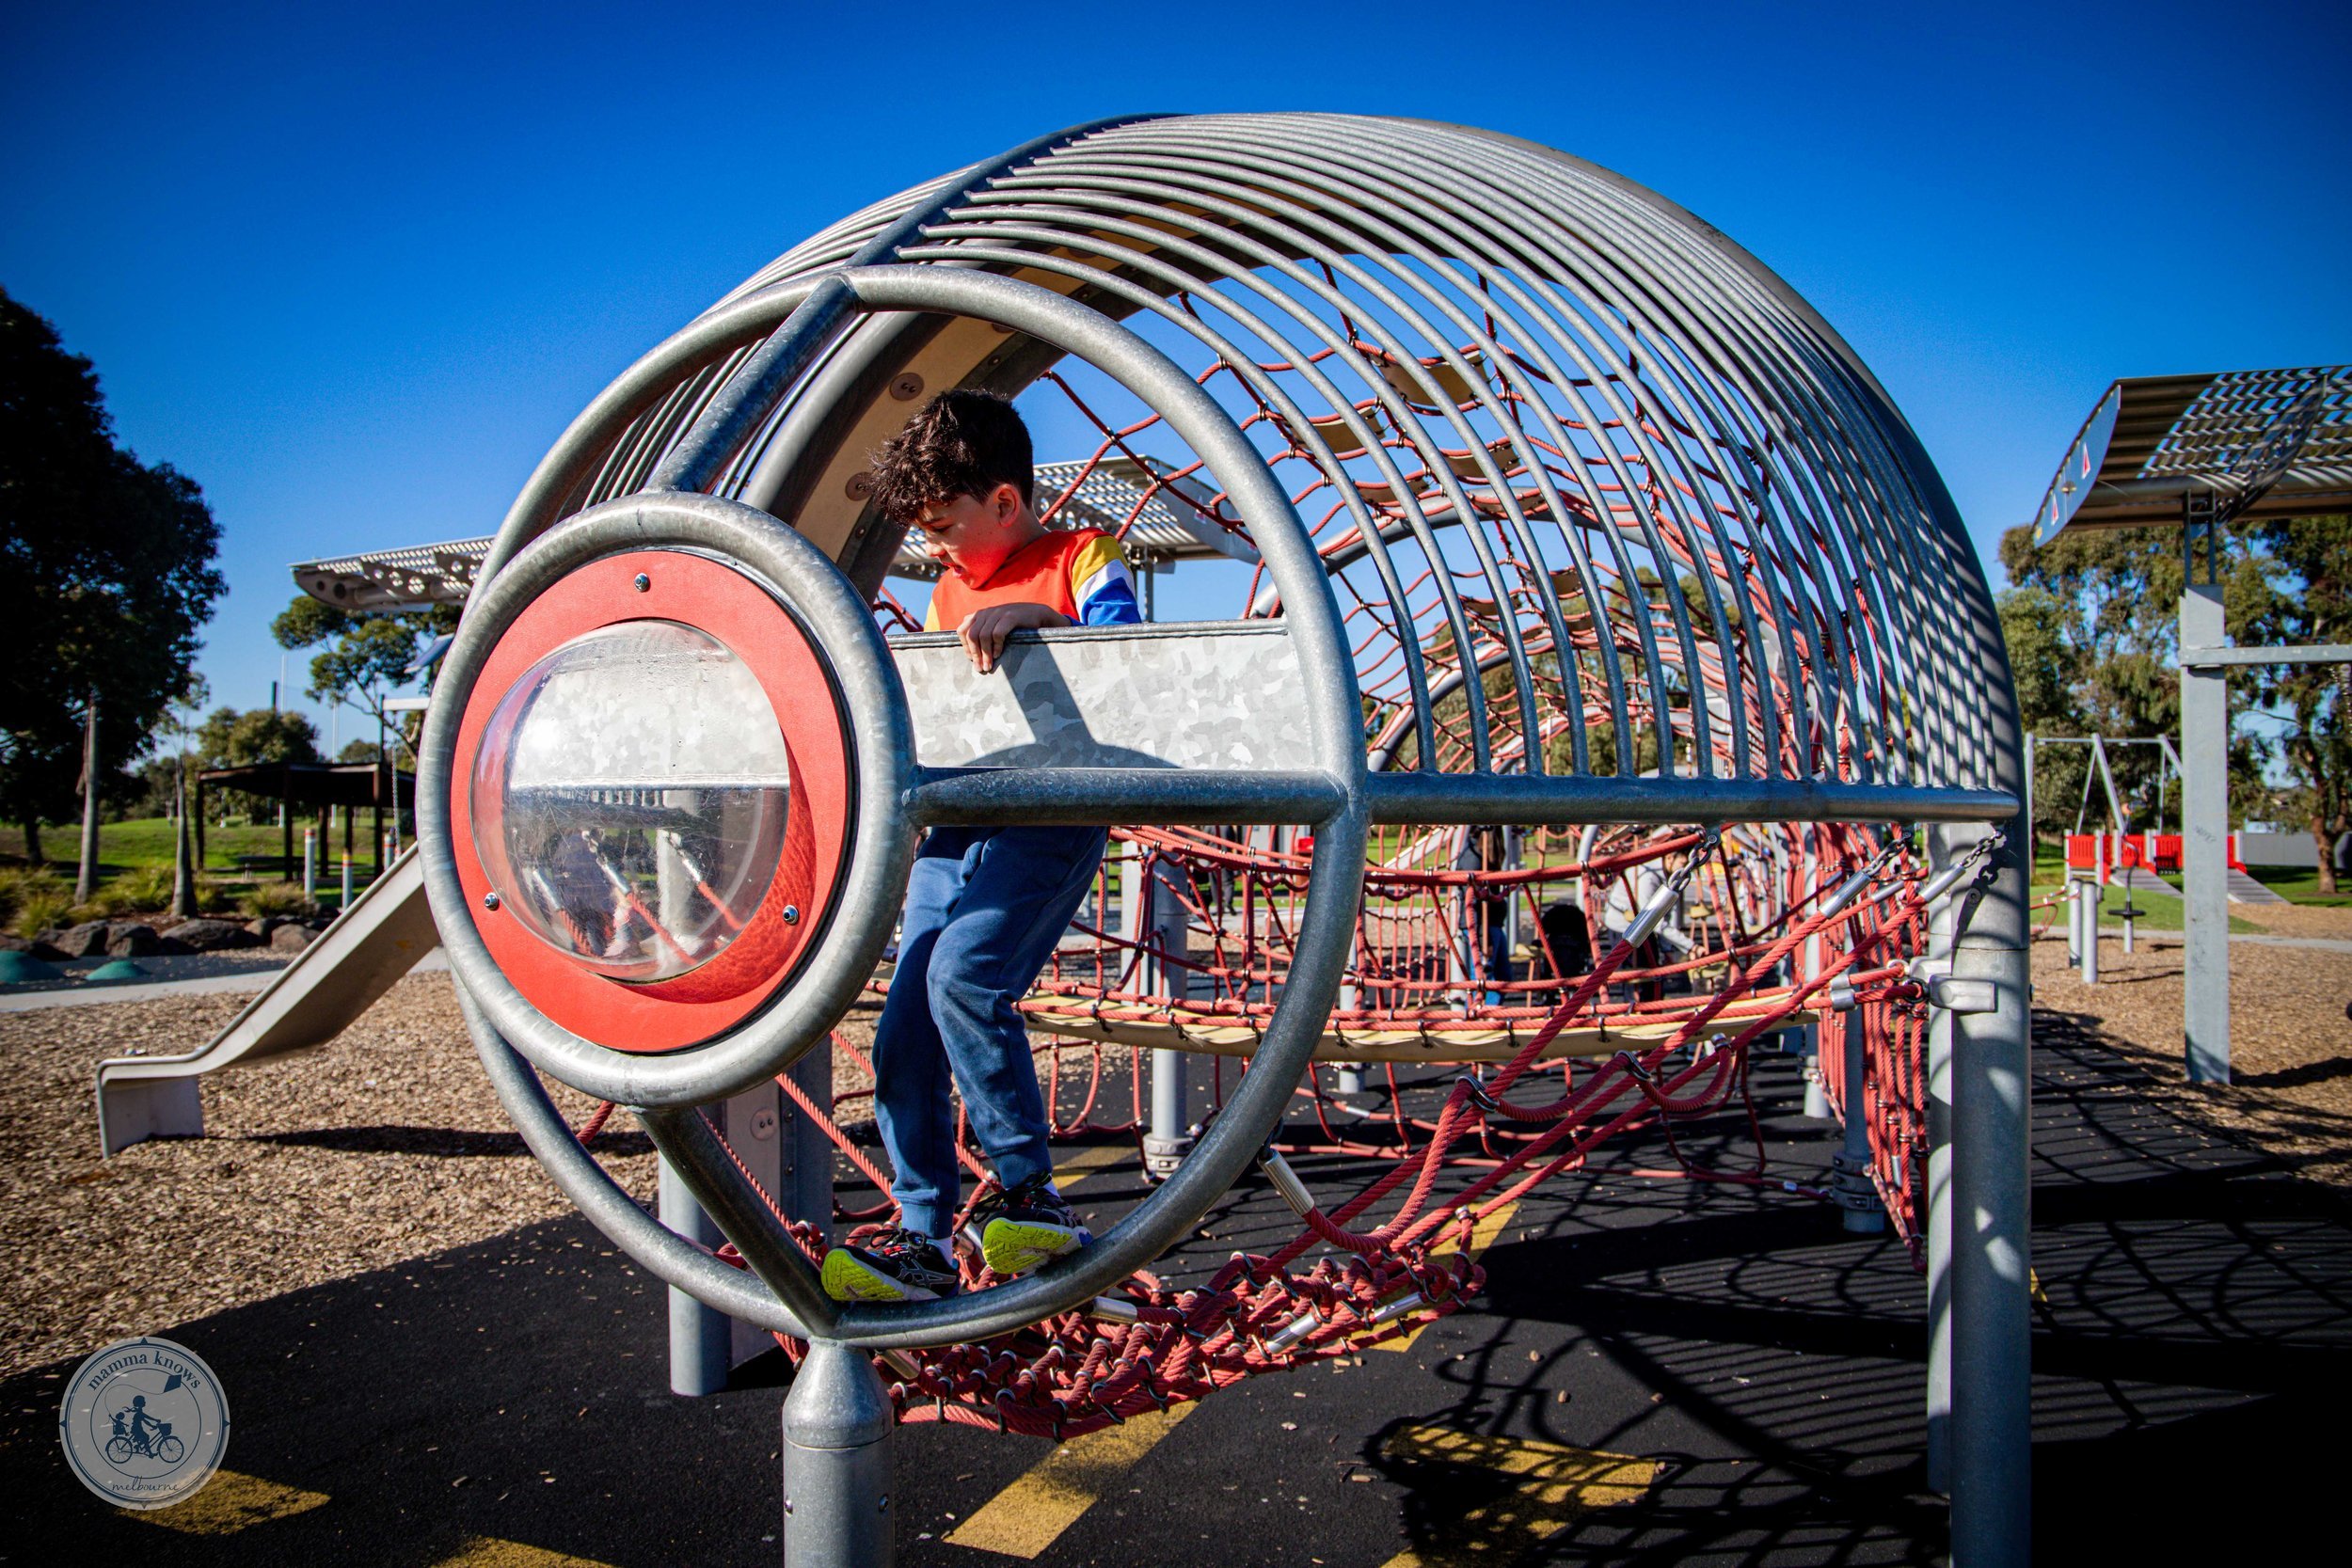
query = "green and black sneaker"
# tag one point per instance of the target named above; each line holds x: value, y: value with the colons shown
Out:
x: 897, y: 1265
x: 1025, y: 1227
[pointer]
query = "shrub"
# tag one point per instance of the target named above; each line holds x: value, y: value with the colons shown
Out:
x: 147, y: 890
x: 268, y: 898
x: 37, y: 910
x: 20, y: 889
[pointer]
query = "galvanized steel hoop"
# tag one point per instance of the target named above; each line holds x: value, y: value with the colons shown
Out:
x: 893, y: 793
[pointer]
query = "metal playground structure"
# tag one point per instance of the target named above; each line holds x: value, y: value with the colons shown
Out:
x: 1592, y: 602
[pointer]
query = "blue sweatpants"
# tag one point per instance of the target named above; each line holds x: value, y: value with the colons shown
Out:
x: 984, y: 910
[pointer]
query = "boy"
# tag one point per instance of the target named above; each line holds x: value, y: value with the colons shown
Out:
x: 984, y: 906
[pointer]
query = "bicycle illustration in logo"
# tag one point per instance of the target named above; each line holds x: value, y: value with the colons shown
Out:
x: 137, y: 1435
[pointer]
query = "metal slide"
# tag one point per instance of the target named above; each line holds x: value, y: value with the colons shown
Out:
x: 379, y: 938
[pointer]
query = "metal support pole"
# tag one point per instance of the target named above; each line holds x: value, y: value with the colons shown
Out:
x: 1865, y: 1215
x: 346, y: 903
x: 2091, y: 895
x: 1944, y: 845
x: 310, y: 865
x: 1171, y: 1138
x: 1990, y: 1194
x: 2205, y: 842
x: 699, y: 1337
x: 1817, y: 1105
x: 838, y: 1428
x: 2070, y: 899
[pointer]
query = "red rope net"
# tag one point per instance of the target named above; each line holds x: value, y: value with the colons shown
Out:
x: 1380, y: 1261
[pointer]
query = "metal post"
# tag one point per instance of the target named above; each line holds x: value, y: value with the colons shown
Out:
x: 1865, y: 1215
x: 2033, y: 844
x: 1817, y: 1105
x: 346, y: 903
x: 1990, y: 1330
x: 310, y: 865
x: 1171, y: 1138
x: 2091, y: 895
x: 699, y: 1338
x: 837, y: 1427
x: 2204, y: 841
x: 1943, y: 844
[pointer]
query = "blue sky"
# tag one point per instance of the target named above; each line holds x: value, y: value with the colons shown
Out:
x: 352, y: 269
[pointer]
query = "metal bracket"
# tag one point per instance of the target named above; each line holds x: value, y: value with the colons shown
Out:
x: 1953, y: 994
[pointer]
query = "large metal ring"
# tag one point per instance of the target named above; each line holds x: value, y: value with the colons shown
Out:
x: 876, y: 874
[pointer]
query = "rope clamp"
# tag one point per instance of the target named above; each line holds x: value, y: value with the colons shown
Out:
x: 1953, y: 993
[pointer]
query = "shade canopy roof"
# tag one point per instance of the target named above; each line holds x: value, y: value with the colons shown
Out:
x: 2263, y: 443
x: 316, y: 784
x: 1161, y: 517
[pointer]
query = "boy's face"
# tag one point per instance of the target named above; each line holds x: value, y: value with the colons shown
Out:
x: 972, y: 535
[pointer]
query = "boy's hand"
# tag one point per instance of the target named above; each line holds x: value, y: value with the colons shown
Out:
x: 985, y: 630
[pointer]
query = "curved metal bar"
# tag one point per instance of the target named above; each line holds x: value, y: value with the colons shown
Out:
x: 710, y: 1172
x: 744, y: 402
x: 669, y: 1256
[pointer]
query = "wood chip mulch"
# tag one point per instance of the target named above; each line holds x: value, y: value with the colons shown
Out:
x: 2290, y: 1034
x: 388, y: 1145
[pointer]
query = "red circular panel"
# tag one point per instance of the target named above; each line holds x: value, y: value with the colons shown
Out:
x: 708, y: 1001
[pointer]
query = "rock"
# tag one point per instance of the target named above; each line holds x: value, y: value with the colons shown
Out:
x: 207, y: 936
x: 293, y: 937
x: 131, y: 939
x: 85, y: 941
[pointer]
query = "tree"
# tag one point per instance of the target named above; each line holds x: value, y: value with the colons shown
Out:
x: 360, y: 657
x: 106, y: 576
x: 228, y: 739
x: 2103, y: 621
x: 2047, y: 668
x: 2308, y: 598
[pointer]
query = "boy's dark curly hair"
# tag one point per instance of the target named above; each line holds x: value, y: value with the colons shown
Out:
x: 963, y: 443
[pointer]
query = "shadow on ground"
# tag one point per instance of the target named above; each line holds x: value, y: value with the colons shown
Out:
x: 2192, y: 1364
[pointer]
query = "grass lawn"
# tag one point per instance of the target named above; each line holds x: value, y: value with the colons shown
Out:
x: 236, y: 855
x: 2299, y: 885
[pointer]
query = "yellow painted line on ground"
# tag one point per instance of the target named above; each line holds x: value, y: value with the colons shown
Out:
x: 1483, y: 1235
x: 488, y: 1551
x: 231, y: 1502
x: 1030, y: 1514
x: 1555, y: 1484
x: 1090, y: 1160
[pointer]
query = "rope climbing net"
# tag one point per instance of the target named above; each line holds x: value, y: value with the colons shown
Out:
x: 1672, y: 1043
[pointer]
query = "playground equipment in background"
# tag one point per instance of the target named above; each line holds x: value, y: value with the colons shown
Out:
x: 2204, y: 452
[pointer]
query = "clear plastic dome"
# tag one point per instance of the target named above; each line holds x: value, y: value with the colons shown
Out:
x: 629, y: 798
